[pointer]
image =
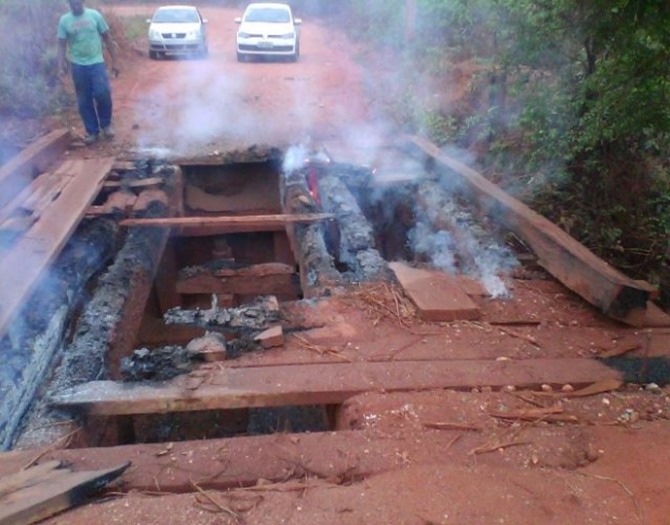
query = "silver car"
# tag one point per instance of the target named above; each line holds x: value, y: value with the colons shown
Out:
x: 177, y: 30
x: 268, y: 29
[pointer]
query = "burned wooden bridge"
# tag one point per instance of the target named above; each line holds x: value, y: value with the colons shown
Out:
x: 136, y: 289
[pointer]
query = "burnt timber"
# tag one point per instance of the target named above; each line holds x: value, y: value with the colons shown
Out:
x: 561, y: 255
x: 321, y: 255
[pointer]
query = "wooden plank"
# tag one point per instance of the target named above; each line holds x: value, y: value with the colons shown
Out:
x: 146, y: 198
x: 36, y: 187
x: 117, y: 202
x: 569, y: 261
x: 436, y: 294
x: 33, y: 253
x: 137, y: 183
x: 242, y: 461
x: 25, y: 478
x: 656, y: 318
x: 317, y: 384
x: 49, y: 490
x: 275, y: 222
x: 18, y: 173
x: 260, y: 279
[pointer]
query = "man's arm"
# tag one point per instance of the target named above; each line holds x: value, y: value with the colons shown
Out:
x: 111, y: 48
x: 62, y: 47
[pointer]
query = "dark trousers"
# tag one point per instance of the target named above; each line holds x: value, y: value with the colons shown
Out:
x: 94, y: 96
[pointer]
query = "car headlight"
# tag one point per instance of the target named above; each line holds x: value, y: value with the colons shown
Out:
x: 193, y: 34
x: 241, y: 34
x: 154, y: 33
x: 287, y: 36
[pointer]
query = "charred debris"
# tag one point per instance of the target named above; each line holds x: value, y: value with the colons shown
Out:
x: 100, y: 311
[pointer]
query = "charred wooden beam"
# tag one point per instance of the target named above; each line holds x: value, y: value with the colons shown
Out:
x: 108, y: 324
x: 136, y: 183
x: 259, y: 279
x: 357, y: 243
x: 117, y: 203
x: 456, y: 239
x: 318, y: 274
x: 569, y: 261
x: 260, y: 315
x: 35, y: 340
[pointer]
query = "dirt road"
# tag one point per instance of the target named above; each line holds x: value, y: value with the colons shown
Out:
x: 192, y: 106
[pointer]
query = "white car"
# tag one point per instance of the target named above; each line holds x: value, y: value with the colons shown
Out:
x: 268, y: 29
x: 177, y: 30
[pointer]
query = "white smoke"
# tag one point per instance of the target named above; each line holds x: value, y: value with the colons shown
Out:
x: 295, y: 158
x: 438, y: 246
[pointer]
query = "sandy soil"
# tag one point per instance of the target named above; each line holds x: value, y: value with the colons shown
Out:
x: 608, y: 467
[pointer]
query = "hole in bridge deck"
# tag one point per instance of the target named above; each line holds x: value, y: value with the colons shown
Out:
x: 212, y: 260
x: 234, y: 266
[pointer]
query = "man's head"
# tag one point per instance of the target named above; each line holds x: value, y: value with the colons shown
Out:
x: 76, y: 6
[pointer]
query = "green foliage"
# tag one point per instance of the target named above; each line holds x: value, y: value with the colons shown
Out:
x: 573, y: 110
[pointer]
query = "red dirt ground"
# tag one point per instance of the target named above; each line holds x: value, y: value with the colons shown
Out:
x: 609, y: 467
x: 199, y: 107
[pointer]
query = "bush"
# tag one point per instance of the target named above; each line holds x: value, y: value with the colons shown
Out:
x: 29, y: 84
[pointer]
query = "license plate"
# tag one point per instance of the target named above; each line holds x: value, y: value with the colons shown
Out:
x: 265, y: 45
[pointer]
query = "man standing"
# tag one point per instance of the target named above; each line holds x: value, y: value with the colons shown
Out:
x: 82, y: 32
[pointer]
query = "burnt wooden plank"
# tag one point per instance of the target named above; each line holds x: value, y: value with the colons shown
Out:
x: 33, y: 253
x: 137, y: 183
x: 146, y: 198
x: 321, y: 384
x: 117, y: 202
x: 436, y: 294
x: 42, y: 491
x: 260, y: 279
x: 16, y: 174
x: 569, y: 261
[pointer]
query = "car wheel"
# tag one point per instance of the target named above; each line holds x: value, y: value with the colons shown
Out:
x: 295, y: 56
x: 153, y: 55
x: 241, y: 57
x: 205, y: 52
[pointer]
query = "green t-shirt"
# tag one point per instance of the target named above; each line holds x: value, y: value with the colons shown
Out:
x: 83, y: 36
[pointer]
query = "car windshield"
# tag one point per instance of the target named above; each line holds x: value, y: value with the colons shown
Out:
x: 176, y: 16
x: 268, y: 14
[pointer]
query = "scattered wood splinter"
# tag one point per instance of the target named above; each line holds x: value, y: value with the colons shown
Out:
x: 446, y: 425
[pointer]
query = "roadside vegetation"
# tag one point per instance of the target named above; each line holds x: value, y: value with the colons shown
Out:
x: 29, y: 84
x: 567, y: 102
x: 568, y: 107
